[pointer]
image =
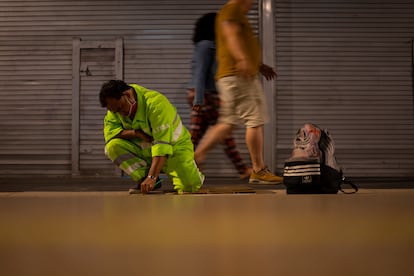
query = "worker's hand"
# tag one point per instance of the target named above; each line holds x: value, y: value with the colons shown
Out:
x: 245, y: 68
x: 197, y: 107
x: 147, y: 185
x: 142, y: 135
x: 267, y: 72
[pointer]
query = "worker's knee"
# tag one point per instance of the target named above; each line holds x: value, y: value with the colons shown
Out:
x: 112, y: 148
x: 185, y: 176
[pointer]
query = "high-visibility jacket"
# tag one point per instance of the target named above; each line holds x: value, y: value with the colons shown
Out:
x: 158, y: 118
x: 155, y: 116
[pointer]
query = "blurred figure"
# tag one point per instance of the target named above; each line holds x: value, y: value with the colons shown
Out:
x: 202, y: 92
x: 240, y: 91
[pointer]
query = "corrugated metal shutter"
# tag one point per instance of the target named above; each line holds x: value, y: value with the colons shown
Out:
x: 346, y: 66
x: 36, y: 70
x: 35, y: 89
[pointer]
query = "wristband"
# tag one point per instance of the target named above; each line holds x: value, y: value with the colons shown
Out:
x: 152, y: 177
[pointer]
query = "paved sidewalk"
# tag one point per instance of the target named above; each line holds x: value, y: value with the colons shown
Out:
x: 110, y: 233
x: 68, y: 183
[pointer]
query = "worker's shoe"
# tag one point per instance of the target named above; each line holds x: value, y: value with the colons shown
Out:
x: 264, y: 176
x: 137, y: 190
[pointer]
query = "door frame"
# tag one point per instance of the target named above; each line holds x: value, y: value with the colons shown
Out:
x: 266, y: 17
x: 77, y: 45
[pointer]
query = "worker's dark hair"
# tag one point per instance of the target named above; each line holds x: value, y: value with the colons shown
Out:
x: 112, y: 89
x: 204, y: 28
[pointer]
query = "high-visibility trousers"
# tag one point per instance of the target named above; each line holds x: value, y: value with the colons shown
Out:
x: 136, y: 161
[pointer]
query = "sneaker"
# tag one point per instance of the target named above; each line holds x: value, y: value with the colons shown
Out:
x: 137, y: 190
x: 265, y: 177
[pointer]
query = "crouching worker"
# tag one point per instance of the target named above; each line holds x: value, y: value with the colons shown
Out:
x: 144, y: 136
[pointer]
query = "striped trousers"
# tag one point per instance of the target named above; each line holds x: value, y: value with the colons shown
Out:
x: 207, y: 116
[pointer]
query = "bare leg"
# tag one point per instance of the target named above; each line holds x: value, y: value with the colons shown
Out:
x: 260, y: 174
x: 254, y: 141
x: 213, y: 136
x: 234, y: 155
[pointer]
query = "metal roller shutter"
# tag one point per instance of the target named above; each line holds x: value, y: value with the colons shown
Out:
x: 35, y: 87
x: 36, y: 74
x: 346, y: 66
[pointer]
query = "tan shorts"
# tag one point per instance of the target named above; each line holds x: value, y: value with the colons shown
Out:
x: 243, y: 100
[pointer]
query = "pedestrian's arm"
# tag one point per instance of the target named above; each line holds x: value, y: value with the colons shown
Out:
x: 202, y: 62
x: 267, y: 71
x: 231, y: 32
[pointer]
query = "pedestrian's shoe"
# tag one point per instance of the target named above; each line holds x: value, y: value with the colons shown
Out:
x: 137, y: 190
x: 264, y: 176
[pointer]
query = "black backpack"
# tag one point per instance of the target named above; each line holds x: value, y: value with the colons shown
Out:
x: 312, y: 166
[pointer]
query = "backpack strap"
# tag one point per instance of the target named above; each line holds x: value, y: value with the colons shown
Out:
x: 348, y: 182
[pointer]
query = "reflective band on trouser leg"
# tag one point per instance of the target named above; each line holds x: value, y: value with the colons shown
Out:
x: 183, y: 170
x: 124, y: 154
